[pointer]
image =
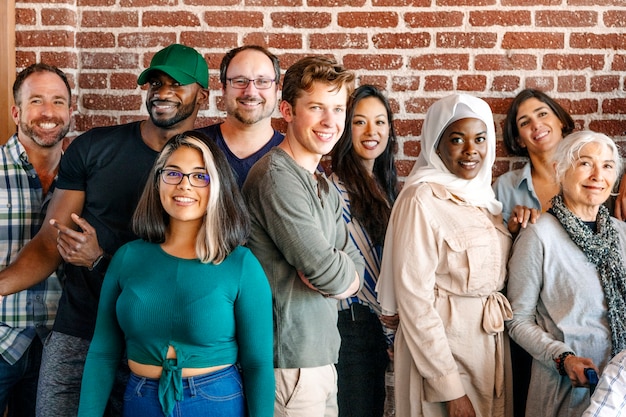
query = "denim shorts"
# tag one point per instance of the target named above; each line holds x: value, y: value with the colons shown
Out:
x: 216, y: 394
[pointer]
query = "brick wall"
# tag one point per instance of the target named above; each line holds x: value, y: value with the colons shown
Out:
x: 418, y: 50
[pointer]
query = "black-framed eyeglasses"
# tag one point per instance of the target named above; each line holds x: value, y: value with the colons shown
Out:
x: 242, y: 83
x: 196, y: 179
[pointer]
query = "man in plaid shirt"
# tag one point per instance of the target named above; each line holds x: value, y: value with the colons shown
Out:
x: 29, y: 163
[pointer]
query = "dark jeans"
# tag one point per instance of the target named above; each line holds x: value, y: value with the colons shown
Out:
x: 362, y: 363
x: 218, y: 394
x: 18, y: 382
x: 521, y: 362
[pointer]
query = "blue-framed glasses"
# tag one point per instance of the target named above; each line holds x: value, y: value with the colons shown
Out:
x: 196, y: 179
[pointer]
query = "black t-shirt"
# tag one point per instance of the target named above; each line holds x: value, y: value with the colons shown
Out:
x: 111, y: 165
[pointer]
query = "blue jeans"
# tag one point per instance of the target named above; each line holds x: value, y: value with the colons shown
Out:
x: 18, y: 382
x: 218, y: 394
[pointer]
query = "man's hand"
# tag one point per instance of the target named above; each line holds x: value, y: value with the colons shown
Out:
x: 77, y: 248
x: 461, y: 407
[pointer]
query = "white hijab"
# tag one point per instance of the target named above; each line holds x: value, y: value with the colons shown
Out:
x: 429, y: 166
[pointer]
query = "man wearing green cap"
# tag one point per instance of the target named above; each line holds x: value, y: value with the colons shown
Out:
x: 101, y: 177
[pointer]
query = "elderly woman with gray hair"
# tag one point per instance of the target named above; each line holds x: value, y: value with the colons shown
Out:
x: 567, y: 281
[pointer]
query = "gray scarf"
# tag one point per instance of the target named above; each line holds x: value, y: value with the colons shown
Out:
x: 604, y: 250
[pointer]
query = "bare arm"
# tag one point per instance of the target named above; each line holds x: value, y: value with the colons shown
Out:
x: 40, y: 257
x: 77, y: 247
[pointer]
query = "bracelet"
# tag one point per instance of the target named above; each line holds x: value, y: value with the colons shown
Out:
x: 96, y: 262
x: 560, y: 362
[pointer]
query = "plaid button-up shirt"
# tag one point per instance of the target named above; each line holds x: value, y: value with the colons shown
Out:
x: 31, y: 312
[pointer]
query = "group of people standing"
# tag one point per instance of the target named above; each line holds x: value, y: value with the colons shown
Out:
x: 220, y: 272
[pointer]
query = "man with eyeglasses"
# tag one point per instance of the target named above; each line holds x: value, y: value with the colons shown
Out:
x: 101, y: 177
x: 250, y: 76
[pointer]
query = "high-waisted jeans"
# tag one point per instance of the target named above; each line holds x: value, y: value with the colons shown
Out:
x: 216, y: 394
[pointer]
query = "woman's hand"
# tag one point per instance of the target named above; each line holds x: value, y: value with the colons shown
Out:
x: 390, y: 322
x: 575, y: 368
x: 461, y: 407
x: 520, y: 217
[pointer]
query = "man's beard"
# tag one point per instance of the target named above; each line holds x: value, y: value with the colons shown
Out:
x: 184, y: 112
x: 48, y: 141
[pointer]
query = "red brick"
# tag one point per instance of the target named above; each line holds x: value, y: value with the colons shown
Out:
x: 111, y: 102
x: 595, y: 2
x: 500, y: 18
x: 222, y: 3
x: 604, y: 83
x: 404, y: 167
x: 401, y: 40
x: 270, y: 3
x: 223, y: 40
x: 571, y: 83
x: 372, y: 62
x: 466, y: 40
x: 44, y: 38
x: 335, y: 3
x: 124, y: 81
x: 592, y: 40
x: 84, y: 122
x: 433, y: 19
x: 316, y: 20
x: 408, y: 127
x: 92, y: 81
x: 540, y: 83
x: 614, y: 106
x: 564, y: 18
x: 145, y: 39
x: 401, y: 3
x: 114, y: 60
x: 412, y: 148
x: 506, y: 62
x: 25, y: 16
x: 97, y: 39
x: 614, y: 18
x: 99, y: 3
x: 619, y: 63
x: 338, y: 41
x: 273, y: 40
x: 58, y: 17
x: 379, y: 81
x: 499, y: 168
x: 505, y: 83
x: 531, y: 40
x: 24, y: 59
x: 170, y: 19
x: 234, y: 19
x: 48, y: 1
x: 609, y: 127
x: 106, y: 19
x: 583, y: 106
x: 418, y: 105
x: 439, y: 61
x: 471, y: 83
x: 498, y: 105
x: 438, y: 83
x: 60, y: 59
x: 531, y: 2
x: 367, y: 19
x: 456, y: 3
x: 148, y: 3
x: 573, y: 62
x: 405, y: 83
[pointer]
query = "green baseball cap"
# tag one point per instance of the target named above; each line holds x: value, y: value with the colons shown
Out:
x: 182, y: 63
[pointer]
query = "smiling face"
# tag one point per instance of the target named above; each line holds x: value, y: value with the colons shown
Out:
x: 183, y: 202
x: 540, y: 130
x: 588, y: 183
x: 463, y: 147
x: 315, y: 123
x: 250, y: 105
x: 370, y: 130
x: 43, y: 112
x: 169, y: 102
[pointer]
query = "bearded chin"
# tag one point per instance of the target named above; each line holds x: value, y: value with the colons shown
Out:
x: 183, y: 113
